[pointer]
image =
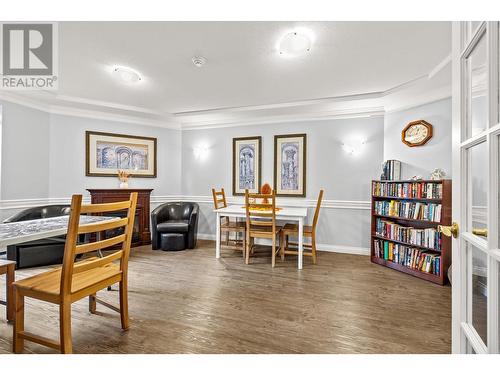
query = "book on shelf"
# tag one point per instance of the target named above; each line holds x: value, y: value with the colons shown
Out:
x: 426, y: 237
x: 391, y: 170
x: 409, y: 210
x: 421, y: 190
x: 411, y: 257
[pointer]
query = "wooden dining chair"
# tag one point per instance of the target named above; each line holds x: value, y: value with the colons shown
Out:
x: 227, y: 226
x: 309, y: 231
x: 76, y: 280
x: 261, y: 222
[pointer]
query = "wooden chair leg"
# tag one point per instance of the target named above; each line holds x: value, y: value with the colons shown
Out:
x: 244, y: 246
x: 247, y: 249
x: 313, y: 248
x: 10, y: 292
x: 282, y: 246
x: 18, y: 342
x: 65, y: 328
x: 124, y: 305
x: 273, y: 258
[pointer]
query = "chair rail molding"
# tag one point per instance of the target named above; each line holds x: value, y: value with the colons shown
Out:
x: 13, y: 204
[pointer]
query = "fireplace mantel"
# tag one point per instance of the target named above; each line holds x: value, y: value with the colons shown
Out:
x: 143, y: 236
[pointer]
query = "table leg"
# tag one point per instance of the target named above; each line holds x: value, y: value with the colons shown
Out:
x: 301, y: 242
x: 92, y: 304
x: 217, y: 239
x: 10, y: 292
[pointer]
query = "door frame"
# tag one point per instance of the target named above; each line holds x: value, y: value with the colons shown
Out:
x: 464, y: 40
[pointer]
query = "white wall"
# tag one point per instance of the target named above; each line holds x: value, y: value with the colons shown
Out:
x: 420, y: 160
x: 25, y: 152
x: 67, y: 157
x: 344, y: 177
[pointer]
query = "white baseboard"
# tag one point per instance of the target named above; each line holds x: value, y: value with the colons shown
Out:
x: 321, y: 247
x: 206, y: 236
x: 344, y: 249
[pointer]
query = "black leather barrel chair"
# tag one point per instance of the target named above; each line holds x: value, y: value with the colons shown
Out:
x: 40, y: 252
x: 174, y: 226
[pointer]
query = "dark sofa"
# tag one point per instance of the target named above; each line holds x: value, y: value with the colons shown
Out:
x: 40, y: 252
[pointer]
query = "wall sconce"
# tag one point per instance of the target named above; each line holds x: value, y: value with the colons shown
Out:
x: 353, y: 147
x: 201, y: 152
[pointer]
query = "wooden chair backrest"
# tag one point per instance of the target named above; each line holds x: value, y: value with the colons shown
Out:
x: 72, y: 248
x: 219, y: 198
x: 316, y: 212
x: 268, y: 217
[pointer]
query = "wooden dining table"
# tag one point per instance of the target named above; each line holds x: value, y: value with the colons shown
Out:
x: 294, y: 214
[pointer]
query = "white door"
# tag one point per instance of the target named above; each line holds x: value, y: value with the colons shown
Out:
x: 476, y: 163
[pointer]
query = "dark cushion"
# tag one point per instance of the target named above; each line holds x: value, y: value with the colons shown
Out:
x: 173, y: 226
x: 173, y: 241
x: 180, y: 211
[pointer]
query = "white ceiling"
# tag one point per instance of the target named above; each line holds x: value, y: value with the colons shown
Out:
x: 243, y: 67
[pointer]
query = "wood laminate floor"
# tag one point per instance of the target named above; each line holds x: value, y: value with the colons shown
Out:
x: 189, y: 302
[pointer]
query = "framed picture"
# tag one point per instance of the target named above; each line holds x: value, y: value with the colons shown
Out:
x: 247, y: 164
x: 290, y: 165
x: 106, y: 153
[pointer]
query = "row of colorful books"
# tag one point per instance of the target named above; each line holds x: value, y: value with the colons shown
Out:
x: 409, y: 210
x: 414, y: 258
x: 428, y: 237
x: 427, y: 190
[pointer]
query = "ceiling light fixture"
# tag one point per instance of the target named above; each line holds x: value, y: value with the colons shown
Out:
x: 199, y: 61
x: 295, y: 43
x: 127, y: 75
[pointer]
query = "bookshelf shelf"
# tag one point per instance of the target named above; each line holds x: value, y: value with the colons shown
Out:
x: 409, y: 220
x: 396, y: 266
x: 406, y: 199
x: 439, y: 194
x: 405, y: 243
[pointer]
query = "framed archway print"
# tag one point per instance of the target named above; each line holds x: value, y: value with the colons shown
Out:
x: 290, y: 165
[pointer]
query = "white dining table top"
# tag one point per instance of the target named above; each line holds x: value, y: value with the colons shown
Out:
x: 289, y: 212
x: 31, y: 230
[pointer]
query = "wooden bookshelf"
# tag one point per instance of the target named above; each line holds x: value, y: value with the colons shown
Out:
x: 445, y: 248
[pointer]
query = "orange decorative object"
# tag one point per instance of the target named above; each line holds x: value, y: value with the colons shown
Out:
x: 266, y: 189
x: 262, y: 208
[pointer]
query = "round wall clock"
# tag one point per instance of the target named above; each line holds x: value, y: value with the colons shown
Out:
x: 416, y: 133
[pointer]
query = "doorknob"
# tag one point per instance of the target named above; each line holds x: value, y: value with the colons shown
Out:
x: 480, y: 232
x: 449, y: 231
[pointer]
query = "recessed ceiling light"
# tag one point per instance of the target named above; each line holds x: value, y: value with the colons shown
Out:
x: 199, y: 61
x: 295, y: 43
x: 126, y: 74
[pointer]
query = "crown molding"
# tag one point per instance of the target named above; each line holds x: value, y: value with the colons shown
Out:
x: 105, y: 104
x: 417, y: 101
x: 98, y: 114
x: 299, y: 103
x: 69, y: 111
x: 330, y: 115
